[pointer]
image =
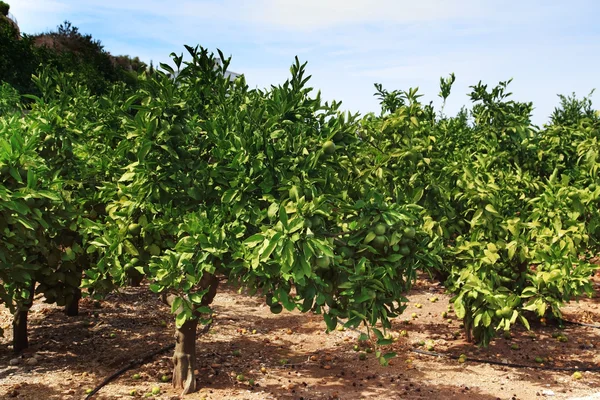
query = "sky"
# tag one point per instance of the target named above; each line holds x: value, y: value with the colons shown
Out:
x: 547, y: 47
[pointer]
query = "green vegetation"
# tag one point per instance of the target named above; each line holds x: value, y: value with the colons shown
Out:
x: 4, y: 8
x: 65, y: 49
x: 180, y: 180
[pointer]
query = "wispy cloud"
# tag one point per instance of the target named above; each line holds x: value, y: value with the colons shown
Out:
x: 548, y: 47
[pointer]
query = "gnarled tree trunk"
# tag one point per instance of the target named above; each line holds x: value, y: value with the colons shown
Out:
x: 184, y: 358
x: 20, y: 338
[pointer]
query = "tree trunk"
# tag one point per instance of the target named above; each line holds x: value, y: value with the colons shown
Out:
x: 72, y: 307
x: 20, y: 338
x: 134, y: 277
x: 184, y: 359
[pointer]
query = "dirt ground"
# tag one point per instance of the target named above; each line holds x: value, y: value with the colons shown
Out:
x: 252, y: 354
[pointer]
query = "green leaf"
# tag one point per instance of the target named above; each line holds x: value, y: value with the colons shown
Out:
x: 511, y: 248
x: 25, y: 223
x: 288, y: 256
x: 326, y: 250
x: 186, y: 245
x: 272, y: 211
x: 529, y: 291
x: 417, y: 195
x: 254, y: 240
x: 283, y: 217
x: 130, y: 248
x: 370, y: 236
x: 156, y: 288
x: 49, y: 195
x: 177, y: 301
x: 167, y: 68
x: 486, y: 319
x: 541, y: 308
x: 180, y: 319
x: 378, y: 333
x: 31, y: 179
x: 196, y: 298
x: 524, y: 322
x: 330, y: 321
x: 15, y: 174
x: 490, y: 208
x: 229, y: 195
x: 127, y: 176
x: 459, y: 308
x: 271, y: 244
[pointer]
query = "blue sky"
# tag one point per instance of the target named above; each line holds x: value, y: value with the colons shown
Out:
x: 547, y: 47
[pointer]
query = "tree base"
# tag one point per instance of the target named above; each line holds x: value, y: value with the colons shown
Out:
x: 184, y: 359
x: 72, y: 307
x: 20, y: 337
x: 134, y: 278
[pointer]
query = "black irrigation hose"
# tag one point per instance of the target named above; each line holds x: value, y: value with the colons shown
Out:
x: 510, y: 365
x: 148, y: 357
x: 132, y: 364
x: 140, y: 361
x: 581, y: 324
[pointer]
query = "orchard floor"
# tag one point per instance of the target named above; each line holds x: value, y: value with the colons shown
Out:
x: 297, y: 359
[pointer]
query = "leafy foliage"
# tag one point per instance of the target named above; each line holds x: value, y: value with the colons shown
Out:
x: 4, y: 8
x: 189, y: 174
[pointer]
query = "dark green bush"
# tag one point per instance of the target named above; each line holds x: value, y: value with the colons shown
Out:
x: 4, y: 7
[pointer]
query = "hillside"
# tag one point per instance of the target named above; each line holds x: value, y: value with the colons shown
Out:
x: 65, y: 49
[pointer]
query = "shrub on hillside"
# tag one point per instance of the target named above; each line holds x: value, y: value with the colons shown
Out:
x: 4, y: 8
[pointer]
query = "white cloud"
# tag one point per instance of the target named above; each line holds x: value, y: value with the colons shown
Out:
x: 34, y: 16
x: 548, y: 46
x: 318, y: 14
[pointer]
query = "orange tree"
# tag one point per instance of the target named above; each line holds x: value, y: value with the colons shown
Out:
x: 528, y: 226
x: 53, y: 160
x: 516, y: 207
x: 264, y: 187
x: 31, y: 213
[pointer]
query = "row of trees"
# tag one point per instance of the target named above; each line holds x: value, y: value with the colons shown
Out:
x: 189, y: 176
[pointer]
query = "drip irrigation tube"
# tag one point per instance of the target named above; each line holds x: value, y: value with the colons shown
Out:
x: 140, y: 361
x: 581, y: 324
x: 510, y: 365
x: 127, y: 367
